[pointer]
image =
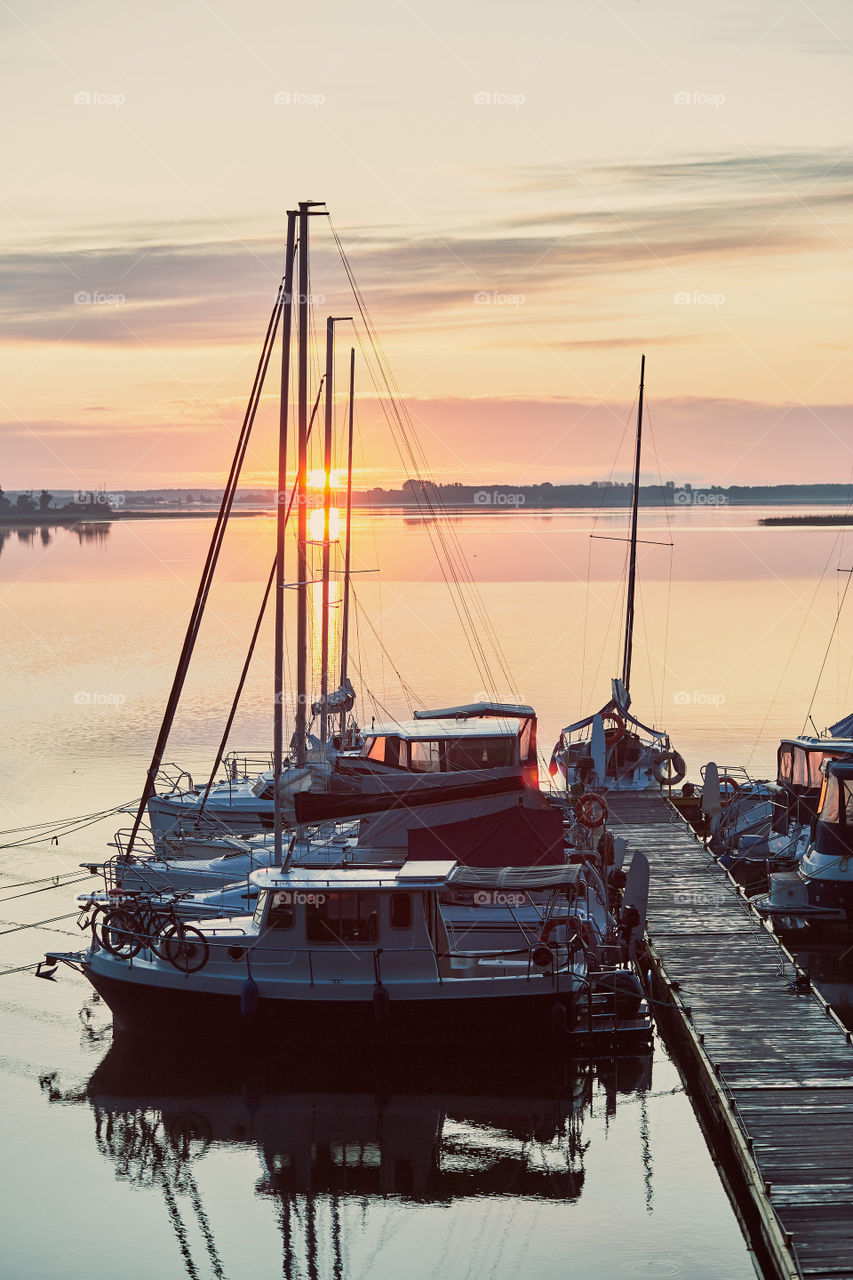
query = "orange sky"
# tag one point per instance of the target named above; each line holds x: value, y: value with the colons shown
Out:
x: 529, y: 200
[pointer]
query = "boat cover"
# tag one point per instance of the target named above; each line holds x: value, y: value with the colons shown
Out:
x: 515, y: 836
x: 566, y: 876
x: 624, y: 714
x: 510, y: 709
x: 843, y: 729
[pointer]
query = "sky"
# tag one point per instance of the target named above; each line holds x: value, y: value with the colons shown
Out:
x: 530, y: 197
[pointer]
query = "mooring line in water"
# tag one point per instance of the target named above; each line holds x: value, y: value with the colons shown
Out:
x: 45, y: 888
x: 39, y: 924
x: 53, y: 830
x: 24, y: 968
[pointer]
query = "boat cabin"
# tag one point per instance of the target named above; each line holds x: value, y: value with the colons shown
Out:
x: 359, y: 924
x: 446, y: 745
x: 800, y: 776
x: 833, y: 832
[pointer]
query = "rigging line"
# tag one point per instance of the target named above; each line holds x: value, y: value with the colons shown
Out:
x: 426, y: 493
x: 806, y: 617
x: 24, y: 968
x: 405, y: 686
x: 828, y: 645
x: 585, y: 619
x: 63, y: 822
x: 210, y: 563
x: 54, y: 881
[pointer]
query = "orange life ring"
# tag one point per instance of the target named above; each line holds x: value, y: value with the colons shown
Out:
x: 591, y: 811
x: 617, y: 732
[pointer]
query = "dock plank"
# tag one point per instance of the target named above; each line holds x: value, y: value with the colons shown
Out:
x: 773, y: 1059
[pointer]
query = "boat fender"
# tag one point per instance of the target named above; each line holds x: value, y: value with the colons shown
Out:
x: 661, y: 774
x: 607, y: 848
x: 591, y: 811
x: 541, y: 956
x: 559, y: 1022
x: 381, y: 1005
x: 627, y: 925
x: 249, y: 998
x: 627, y: 993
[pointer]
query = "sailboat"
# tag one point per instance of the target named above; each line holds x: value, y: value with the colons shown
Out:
x: 612, y: 750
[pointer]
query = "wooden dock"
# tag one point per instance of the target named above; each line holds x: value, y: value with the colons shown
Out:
x: 768, y: 1064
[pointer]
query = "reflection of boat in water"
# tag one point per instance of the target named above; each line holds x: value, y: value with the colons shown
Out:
x: 328, y: 1139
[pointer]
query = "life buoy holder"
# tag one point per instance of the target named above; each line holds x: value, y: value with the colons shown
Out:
x: 591, y: 811
x: 616, y: 732
x: 662, y: 775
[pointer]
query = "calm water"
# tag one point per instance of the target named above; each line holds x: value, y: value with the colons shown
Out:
x: 343, y: 1169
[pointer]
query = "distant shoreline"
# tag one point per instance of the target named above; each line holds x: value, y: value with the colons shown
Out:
x: 787, y: 521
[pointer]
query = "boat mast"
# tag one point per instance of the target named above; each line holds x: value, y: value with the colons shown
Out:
x: 632, y: 562
x: 345, y: 611
x: 305, y: 207
x: 281, y: 524
x: 327, y: 516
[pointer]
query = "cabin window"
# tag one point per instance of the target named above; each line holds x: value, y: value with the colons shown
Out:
x: 829, y: 811
x: 480, y: 753
x: 425, y: 757
x: 280, y: 915
x: 786, y: 764
x: 342, y: 918
x: 259, y: 910
x: 801, y: 768
x: 401, y: 911
x: 376, y: 750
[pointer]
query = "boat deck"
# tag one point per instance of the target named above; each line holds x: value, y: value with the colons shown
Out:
x: 769, y: 1065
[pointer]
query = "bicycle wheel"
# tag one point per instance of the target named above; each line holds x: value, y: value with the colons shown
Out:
x: 117, y: 933
x: 185, y: 948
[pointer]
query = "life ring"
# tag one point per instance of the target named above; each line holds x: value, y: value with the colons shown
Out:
x: 591, y: 811
x: 617, y: 730
x: 728, y: 790
x: 661, y: 774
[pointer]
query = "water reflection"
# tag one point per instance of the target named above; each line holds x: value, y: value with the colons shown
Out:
x: 326, y: 1138
x: 87, y: 533
x: 830, y: 967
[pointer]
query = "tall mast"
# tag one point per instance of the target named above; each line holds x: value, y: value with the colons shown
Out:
x: 632, y: 563
x: 281, y: 521
x: 305, y: 207
x: 327, y: 515
x: 345, y: 611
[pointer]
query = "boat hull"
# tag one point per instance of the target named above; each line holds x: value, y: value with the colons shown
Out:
x: 187, y: 1013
